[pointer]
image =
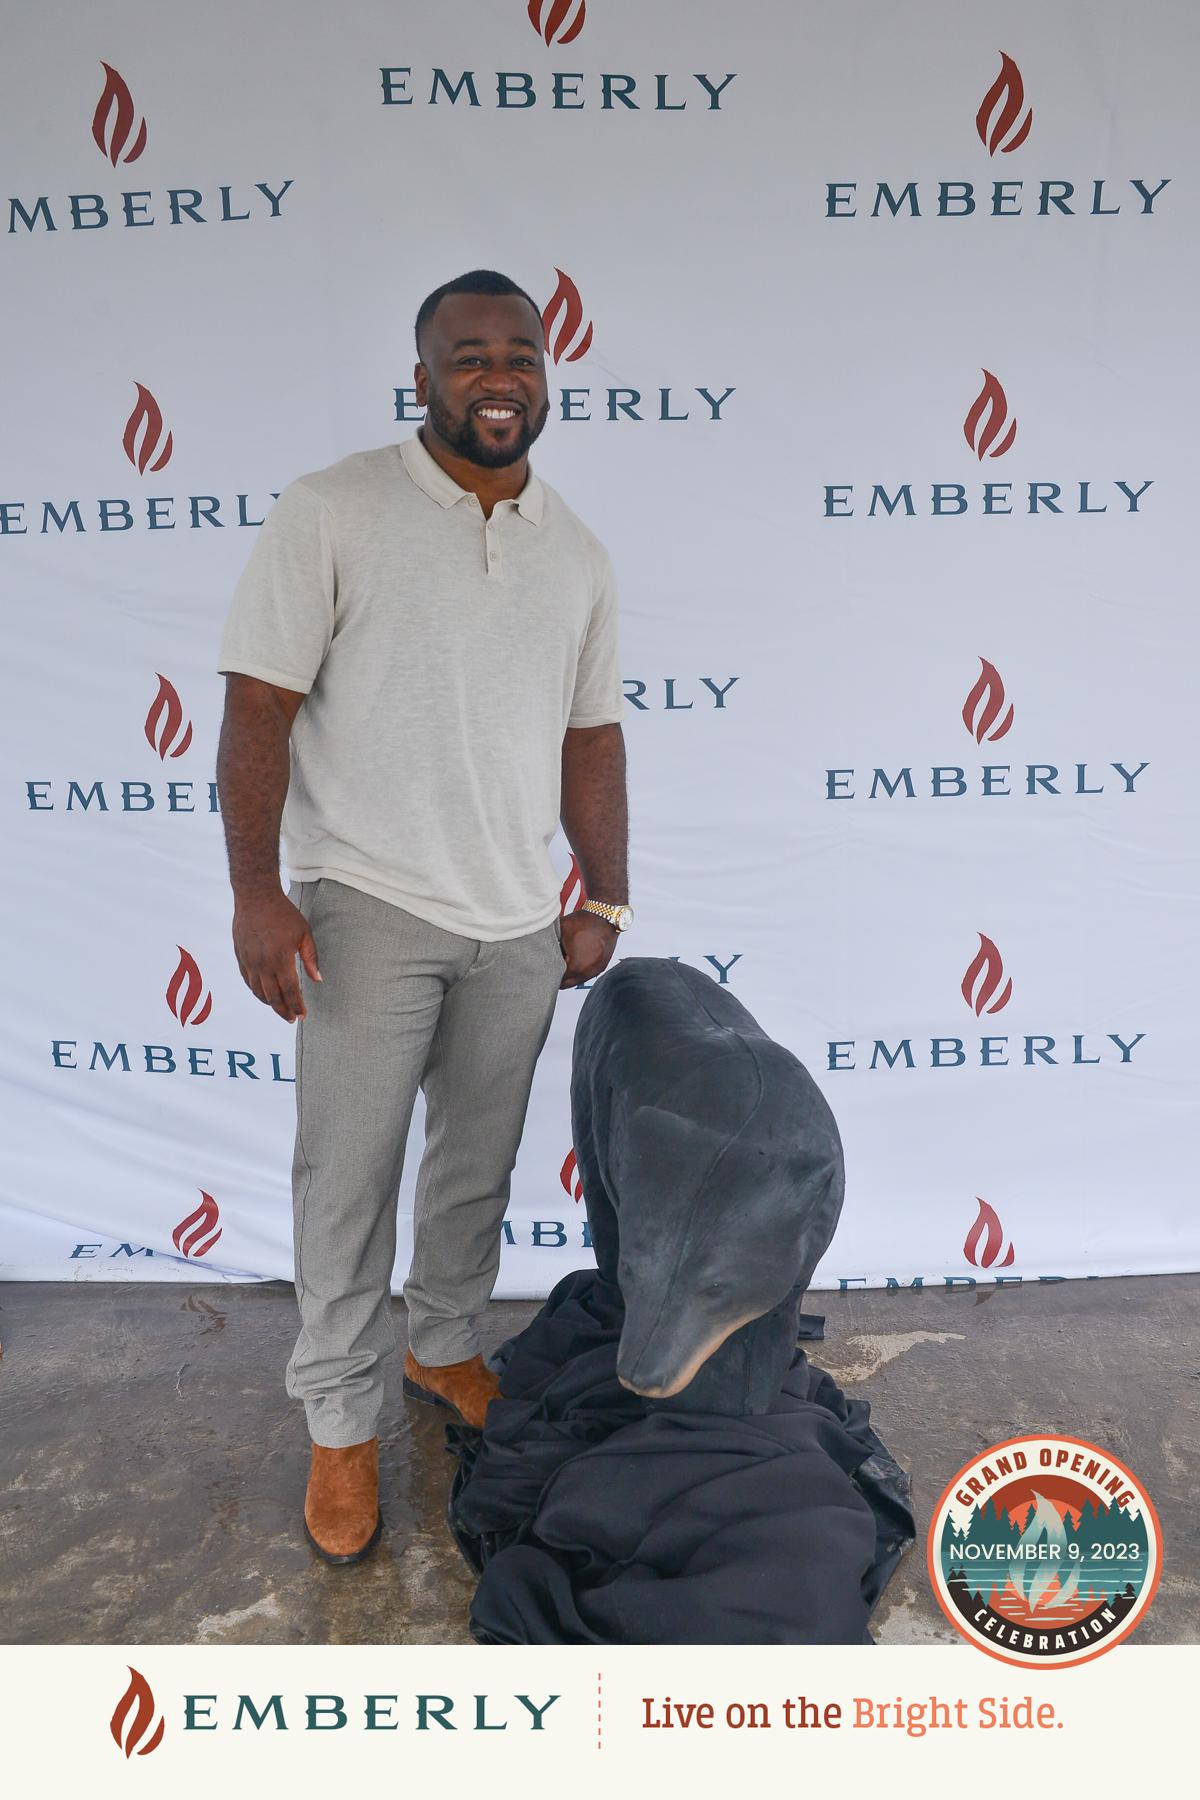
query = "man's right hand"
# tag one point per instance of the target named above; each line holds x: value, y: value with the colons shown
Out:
x: 269, y: 932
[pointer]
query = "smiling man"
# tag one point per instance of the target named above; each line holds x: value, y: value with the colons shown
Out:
x: 421, y: 680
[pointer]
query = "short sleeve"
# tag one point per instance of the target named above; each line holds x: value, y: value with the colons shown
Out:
x: 598, y: 692
x: 280, y: 620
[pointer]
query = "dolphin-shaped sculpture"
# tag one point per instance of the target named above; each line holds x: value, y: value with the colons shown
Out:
x: 713, y: 1179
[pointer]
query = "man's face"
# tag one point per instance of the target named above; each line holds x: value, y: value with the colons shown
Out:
x: 482, y: 377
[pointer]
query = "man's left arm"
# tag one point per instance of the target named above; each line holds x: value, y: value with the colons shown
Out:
x: 595, y: 817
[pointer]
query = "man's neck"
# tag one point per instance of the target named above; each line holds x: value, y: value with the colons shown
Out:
x: 488, y: 485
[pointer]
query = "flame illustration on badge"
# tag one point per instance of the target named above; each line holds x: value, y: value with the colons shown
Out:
x: 984, y: 705
x: 998, y: 114
x: 985, y: 1240
x: 569, y: 1176
x: 980, y: 432
x: 557, y: 21
x: 572, y: 894
x: 138, y: 1695
x: 191, y: 1236
x: 147, y: 418
x: 987, y: 970
x: 566, y: 299
x: 164, y: 720
x: 112, y: 121
x: 184, y: 990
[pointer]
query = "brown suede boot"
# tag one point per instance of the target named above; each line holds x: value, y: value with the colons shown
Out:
x: 463, y: 1388
x: 342, y: 1520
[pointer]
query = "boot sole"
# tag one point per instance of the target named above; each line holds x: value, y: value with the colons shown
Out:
x: 354, y: 1555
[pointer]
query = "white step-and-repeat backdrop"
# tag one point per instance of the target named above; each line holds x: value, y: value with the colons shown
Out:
x: 871, y: 339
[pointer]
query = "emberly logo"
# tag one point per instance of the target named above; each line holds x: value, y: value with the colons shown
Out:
x: 163, y: 722
x: 1002, y: 125
x: 985, y: 421
x: 184, y: 990
x: 996, y: 120
x: 986, y: 991
x: 986, y: 717
x: 149, y: 451
x: 985, y: 1240
x: 128, y: 1733
x: 984, y: 429
x: 112, y: 123
x: 568, y: 339
x: 557, y: 21
x: 194, y: 1236
x: 164, y: 730
x: 569, y: 1177
x: 983, y: 978
x: 120, y: 136
x: 147, y: 418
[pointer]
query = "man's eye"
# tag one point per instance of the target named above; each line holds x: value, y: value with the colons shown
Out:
x: 714, y: 1290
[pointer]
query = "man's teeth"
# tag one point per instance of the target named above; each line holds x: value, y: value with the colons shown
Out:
x: 497, y: 412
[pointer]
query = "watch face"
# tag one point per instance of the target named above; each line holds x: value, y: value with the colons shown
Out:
x: 624, y: 917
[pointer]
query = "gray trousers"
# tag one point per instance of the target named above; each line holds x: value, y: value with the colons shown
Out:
x: 403, y: 1004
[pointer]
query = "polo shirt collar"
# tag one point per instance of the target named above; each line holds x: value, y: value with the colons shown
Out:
x: 433, y: 480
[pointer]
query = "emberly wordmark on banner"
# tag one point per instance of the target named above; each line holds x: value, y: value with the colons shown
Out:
x: 988, y: 715
x: 560, y: 91
x: 1003, y: 123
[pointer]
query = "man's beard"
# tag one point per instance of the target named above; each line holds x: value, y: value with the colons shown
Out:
x: 464, y: 438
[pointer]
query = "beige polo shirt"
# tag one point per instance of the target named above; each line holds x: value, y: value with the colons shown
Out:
x: 443, y: 655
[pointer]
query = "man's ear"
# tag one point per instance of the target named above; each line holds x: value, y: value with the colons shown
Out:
x: 420, y: 377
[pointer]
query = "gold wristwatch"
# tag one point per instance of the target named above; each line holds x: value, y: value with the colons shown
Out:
x: 621, y: 917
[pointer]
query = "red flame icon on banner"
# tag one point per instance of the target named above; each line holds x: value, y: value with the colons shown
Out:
x: 188, y: 983
x: 569, y: 1175
x: 986, y: 1231
x: 981, y: 434
x: 147, y: 418
x: 1004, y: 99
x: 113, y: 120
x: 548, y: 16
x: 167, y: 711
x: 138, y: 1695
x: 984, y: 704
x: 565, y: 299
x: 988, y: 971
x: 187, y: 1235
x: 572, y: 887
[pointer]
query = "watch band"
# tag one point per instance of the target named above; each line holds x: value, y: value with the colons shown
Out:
x: 611, y: 911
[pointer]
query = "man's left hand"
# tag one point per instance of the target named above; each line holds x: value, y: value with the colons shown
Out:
x: 589, y: 942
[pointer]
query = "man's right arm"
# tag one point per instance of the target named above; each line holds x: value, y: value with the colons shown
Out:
x: 253, y: 767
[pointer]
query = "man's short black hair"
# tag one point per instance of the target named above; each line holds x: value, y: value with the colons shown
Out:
x: 475, y: 281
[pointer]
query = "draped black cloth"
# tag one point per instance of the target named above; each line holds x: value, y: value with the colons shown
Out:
x: 596, y: 1517
x: 724, y: 1490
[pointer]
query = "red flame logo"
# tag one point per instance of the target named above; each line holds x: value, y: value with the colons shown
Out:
x: 987, y: 971
x: 569, y: 1176
x: 138, y: 1695
x: 547, y: 19
x: 986, y: 1232
x: 184, y: 990
x: 113, y: 120
x: 189, y: 1232
x: 167, y: 712
x: 982, y: 433
x: 147, y: 418
x: 984, y: 704
x: 565, y: 299
x: 1001, y: 105
x: 572, y: 889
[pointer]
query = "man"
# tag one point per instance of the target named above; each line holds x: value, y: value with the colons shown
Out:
x: 421, y: 660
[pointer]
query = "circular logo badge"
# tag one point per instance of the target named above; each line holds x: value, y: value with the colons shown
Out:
x: 1044, y: 1550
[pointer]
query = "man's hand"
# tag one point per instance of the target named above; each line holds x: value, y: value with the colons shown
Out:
x: 269, y: 932
x: 589, y: 942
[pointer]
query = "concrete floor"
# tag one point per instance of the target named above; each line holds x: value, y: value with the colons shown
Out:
x: 152, y: 1469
